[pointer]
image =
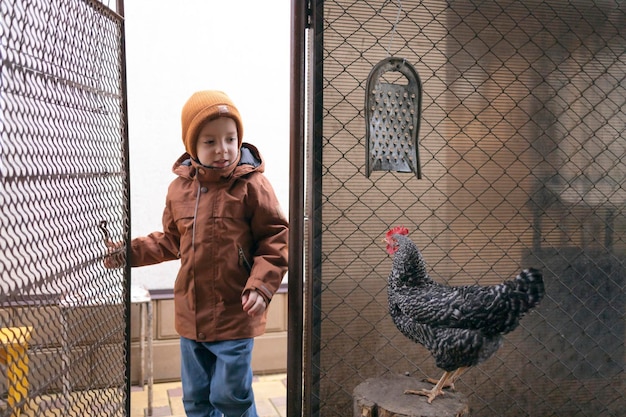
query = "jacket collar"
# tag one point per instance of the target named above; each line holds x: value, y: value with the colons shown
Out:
x: 250, y: 160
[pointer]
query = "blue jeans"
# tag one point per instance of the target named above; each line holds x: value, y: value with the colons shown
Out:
x: 217, y: 378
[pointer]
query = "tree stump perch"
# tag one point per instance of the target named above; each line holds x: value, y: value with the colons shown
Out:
x: 385, y: 397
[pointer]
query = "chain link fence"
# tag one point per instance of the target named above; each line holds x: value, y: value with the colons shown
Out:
x: 522, y: 148
x: 63, y: 162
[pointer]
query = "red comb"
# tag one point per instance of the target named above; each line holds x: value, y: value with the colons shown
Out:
x: 398, y: 230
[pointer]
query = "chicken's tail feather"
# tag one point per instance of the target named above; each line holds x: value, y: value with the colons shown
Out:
x: 530, y: 282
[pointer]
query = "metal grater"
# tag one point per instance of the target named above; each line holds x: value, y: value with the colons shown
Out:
x: 392, y: 113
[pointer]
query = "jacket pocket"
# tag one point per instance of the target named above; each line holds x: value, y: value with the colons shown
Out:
x: 231, y: 207
x: 243, y: 261
x: 183, y: 215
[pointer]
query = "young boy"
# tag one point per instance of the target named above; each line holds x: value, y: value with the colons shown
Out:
x: 223, y: 220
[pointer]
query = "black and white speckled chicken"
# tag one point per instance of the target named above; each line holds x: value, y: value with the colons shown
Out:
x: 461, y: 326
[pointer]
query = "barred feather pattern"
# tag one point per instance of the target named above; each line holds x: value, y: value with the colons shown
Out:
x: 459, y: 325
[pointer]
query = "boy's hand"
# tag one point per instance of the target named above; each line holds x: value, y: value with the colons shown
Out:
x: 115, y: 255
x: 253, y: 303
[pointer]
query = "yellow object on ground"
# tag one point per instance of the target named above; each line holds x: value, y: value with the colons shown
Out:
x: 13, y: 355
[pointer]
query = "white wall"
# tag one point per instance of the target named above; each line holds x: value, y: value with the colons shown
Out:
x: 176, y: 48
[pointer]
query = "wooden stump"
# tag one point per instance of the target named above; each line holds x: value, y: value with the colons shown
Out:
x: 385, y: 397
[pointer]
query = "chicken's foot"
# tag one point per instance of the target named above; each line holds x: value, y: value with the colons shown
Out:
x: 434, y: 382
x: 436, y: 391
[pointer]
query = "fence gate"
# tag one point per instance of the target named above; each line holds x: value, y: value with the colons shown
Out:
x: 522, y: 149
x: 63, y: 161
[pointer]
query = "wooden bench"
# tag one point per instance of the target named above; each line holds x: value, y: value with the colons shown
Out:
x: 13, y: 354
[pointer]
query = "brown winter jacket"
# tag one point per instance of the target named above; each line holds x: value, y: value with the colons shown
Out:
x: 230, y: 236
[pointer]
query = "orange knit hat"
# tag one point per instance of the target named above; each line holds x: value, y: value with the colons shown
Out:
x: 201, y: 107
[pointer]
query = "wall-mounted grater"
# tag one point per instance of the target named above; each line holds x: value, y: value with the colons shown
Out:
x: 392, y: 112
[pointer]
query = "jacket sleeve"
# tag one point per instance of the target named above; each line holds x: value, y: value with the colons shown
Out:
x: 157, y: 247
x: 270, y: 230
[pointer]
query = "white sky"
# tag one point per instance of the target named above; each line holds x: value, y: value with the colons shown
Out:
x: 176, y: 48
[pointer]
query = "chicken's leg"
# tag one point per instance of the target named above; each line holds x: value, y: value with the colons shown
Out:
x: 450, y: 382
x: 457, y: 374
x: 436, y: 391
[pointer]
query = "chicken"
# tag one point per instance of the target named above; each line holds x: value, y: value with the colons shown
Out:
x: 460, y: 326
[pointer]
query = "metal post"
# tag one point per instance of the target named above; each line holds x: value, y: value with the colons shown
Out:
x: 296, y: 206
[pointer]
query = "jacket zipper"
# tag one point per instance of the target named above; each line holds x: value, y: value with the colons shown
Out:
x: 195, y: 216
x: 243, y: 261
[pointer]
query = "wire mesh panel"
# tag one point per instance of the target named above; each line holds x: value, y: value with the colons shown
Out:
x: 63, y: 163
x: 522, y: 148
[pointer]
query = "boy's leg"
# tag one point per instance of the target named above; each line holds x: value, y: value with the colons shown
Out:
x: 197, y: 368
x: 231, y: 391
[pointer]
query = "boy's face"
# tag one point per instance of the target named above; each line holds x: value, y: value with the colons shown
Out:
x: 218, y: 143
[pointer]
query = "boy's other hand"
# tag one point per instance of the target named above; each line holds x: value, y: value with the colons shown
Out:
x: 115, y: 256
x: 253, y: 303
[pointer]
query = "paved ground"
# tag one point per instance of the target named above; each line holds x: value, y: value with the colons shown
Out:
x: 270, y: 392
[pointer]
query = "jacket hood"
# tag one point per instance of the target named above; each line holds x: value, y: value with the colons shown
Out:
x: 250, y: 160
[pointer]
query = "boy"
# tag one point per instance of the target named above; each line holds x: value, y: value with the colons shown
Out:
x: 223, y: 220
